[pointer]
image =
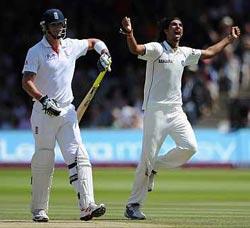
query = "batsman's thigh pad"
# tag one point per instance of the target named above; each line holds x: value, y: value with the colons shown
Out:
x: 42, y: 168
x: 80, y: 173
x: 44, y: 130
x: 69, y: 139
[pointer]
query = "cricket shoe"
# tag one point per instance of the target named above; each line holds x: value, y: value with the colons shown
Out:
x: 39, y: 215
x: 151, y: 183
x: 93, y: 210
x: 133, y: 212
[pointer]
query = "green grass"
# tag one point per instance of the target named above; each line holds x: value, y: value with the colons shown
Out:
x: 182, y: 197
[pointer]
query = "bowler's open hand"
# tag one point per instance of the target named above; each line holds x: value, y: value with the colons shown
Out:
x: 126, y: 25
x: 235, y: 33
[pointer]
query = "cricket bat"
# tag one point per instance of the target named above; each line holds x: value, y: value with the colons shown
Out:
x: 89, y: 96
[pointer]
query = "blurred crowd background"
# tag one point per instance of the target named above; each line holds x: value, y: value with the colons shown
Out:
x: 216, y: 93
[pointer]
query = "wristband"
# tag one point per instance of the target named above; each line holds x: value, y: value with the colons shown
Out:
x: 230, y: 38
x: 130, y: 34
x: 99, y: 46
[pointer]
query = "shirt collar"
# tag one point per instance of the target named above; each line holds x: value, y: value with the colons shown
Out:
x: 46, y: 43
x: 168, y: 47
x: 63, y: 43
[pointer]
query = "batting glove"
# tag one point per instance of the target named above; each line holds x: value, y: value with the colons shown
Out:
x: 50, y: 106
x: 104, y: 62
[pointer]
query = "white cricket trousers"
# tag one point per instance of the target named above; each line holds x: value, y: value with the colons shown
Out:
x: 159, y: 122
x: 65, y: 130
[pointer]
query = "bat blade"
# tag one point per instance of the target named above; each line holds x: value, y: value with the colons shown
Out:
x: 89, y: 96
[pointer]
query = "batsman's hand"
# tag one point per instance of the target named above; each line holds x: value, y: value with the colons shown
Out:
x: 126, y: 26
x: 234, y: 34
x: 50, y: 106
x: 104, y: 62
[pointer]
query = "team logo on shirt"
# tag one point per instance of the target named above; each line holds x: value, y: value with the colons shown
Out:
x: 165, y: 61
x: 50, y: 56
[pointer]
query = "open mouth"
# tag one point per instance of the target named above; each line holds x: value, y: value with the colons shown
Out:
x: 177, y: 32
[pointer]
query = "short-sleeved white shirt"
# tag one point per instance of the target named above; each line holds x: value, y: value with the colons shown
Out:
x: 54, y: 72
x: 164, y: 72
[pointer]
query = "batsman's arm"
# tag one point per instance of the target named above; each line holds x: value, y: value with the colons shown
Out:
x: 98, y: 45
x: 29, y: 86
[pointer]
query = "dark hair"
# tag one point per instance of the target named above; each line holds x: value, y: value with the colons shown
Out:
x: 164, y: 24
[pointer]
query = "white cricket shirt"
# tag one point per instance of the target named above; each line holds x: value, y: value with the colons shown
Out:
x: 54, y: 72
x: 164, y: 72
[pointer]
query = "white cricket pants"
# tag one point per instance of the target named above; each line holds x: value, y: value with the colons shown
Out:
x: 159, y: 122
x: 47, y: 130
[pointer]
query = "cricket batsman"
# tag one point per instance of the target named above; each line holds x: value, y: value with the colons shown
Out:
x: 47, y: 77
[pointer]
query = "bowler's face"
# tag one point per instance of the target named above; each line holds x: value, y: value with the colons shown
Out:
x: 175, y: 30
